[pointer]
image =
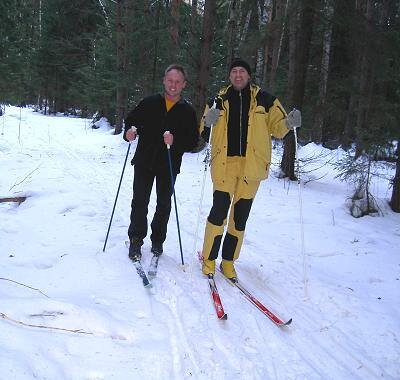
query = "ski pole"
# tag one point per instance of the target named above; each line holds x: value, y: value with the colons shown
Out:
x: 206, y: 163
x: 207, y: 160
x: 115, y: 202
x: 305, y: 279
x: 173, y: 192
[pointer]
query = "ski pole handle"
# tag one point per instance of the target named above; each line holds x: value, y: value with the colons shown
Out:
x: 131, y: 133
x: 167, y: 133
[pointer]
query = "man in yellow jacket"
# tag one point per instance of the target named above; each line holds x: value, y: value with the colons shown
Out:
x: 239, y: 123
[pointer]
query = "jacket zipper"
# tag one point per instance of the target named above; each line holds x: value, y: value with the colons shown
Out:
x: 240, y: 123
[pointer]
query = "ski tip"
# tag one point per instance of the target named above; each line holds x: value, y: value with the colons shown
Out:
x: 148, y: 285
x: 224, y: 317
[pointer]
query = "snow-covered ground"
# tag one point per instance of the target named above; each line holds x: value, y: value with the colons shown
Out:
x: 68, y: 310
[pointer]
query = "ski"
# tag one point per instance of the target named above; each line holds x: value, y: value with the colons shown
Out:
x: 140, y: 271
x: 142, y: 274
x: 219, y: 309
x: 257, y: 303
x: 152, y: 272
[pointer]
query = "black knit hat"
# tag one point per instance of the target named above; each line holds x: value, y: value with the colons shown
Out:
x: 238, y: 62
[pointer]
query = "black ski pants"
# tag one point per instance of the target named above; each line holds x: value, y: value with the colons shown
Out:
x: 142, y: 187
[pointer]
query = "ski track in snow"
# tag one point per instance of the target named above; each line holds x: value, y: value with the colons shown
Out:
x: 171, y: 331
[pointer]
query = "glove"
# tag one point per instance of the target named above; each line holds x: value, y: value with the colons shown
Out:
x: 211, y: 117
x: 293, y: 119
x: 131, y: 133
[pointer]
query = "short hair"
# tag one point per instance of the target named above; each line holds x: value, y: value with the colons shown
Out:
x: 177, y: 67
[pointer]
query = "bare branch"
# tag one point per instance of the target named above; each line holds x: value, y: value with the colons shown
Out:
x: 30, y: 287
x: 77, y: 331
x: 16, y: 184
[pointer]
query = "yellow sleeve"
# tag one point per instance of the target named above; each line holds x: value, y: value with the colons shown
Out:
x: 277, y: 120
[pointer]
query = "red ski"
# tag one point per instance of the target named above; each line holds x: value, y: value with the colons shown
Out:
x: 219, y: 309
x: 258, y: 304
x: 216, y: 299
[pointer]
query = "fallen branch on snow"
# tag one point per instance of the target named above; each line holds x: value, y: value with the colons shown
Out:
x: 18, y: 200
x: 30, y: 287
x: 78, y: 331
x: 27, y: 176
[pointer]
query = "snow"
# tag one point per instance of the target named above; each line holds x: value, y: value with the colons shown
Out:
x: 68, y: 310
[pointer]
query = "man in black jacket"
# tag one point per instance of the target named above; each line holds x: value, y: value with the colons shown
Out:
x: 160, y: 121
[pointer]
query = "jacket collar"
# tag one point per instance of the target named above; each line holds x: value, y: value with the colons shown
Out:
x: 180, y: 101
x: 223, y: 93
x: 254, y: 89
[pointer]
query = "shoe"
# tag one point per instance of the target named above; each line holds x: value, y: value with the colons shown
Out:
x: 208, y: 267
x: 135, y: 249
x: 156, y: 248
x: 228, y: 269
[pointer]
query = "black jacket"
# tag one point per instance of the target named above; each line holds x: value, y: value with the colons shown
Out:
x: 151, y: 119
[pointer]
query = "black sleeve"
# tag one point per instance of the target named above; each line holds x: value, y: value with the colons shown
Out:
x: 193, y: 138
x: 190, y: 138
x: 186, y: 132
x: 135, y: 118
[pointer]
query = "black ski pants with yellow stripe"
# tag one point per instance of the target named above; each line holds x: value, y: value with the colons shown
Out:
x: 235, y: 196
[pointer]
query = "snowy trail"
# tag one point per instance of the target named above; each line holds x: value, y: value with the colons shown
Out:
x: 347, y: 327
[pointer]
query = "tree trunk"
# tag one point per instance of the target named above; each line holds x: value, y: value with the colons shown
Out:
x: 264, y: 18
x: 349, y: 129
x: 303, y: 52
x: 154, y: 82
x: 288, y: 157
x: 231, y: 32
x: 298, y: 78
x: 395, y: 200
x: 293, y: 19
x: 243, y: 34
x: 205, y: 54
x: 277, y: 39
x: 194, y: 15
x: 199, y: 99
x: 174, y: 29
x: 319, y: 114
x: 365, y: 80
x: 289, y: 147
x: 122, y: 89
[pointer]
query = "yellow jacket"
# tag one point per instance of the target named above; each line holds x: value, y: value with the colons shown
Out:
x: 267, y: 118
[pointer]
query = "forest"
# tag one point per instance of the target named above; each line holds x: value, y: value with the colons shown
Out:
x: 335, y: 60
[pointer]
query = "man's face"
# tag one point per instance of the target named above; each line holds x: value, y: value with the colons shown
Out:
x: 239, y: 78
x: 174, y: 82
